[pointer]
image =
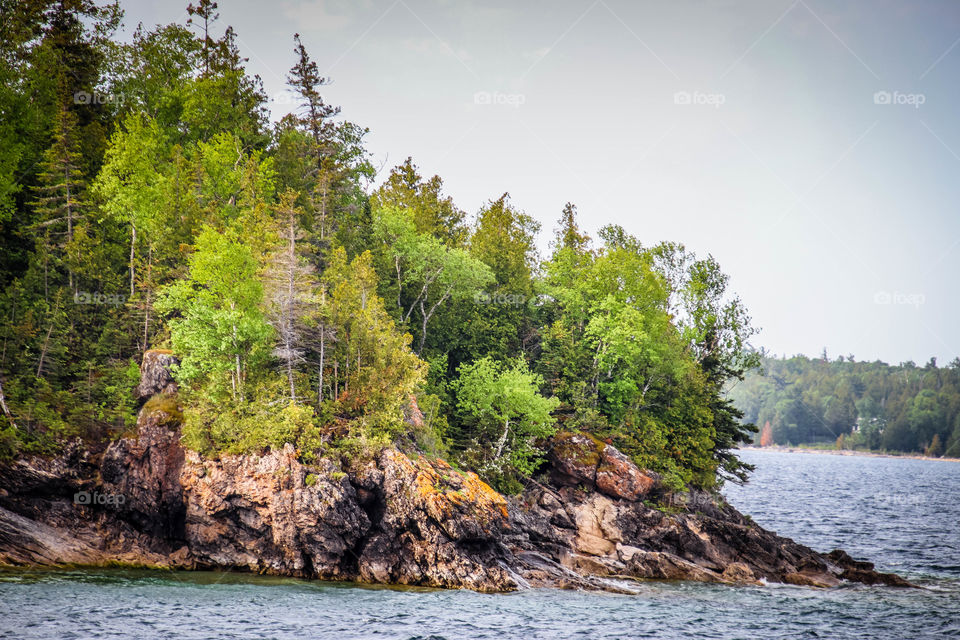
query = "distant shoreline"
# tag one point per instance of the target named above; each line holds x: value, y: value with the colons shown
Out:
x: 847, y: 452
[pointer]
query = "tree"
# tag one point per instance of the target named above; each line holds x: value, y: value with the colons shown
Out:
x: 132, y: 182
x: 431, y: 211
x: 58, y: 192
x: 374, y: 371
x: 292, y: 288
x: 220, y: 331
x: 425, y: 273
x: 502, y: 323
x: 935, y: 450
x: 717, y: 329
x: 306, y: 80
x: 569, y: 235
x: 504, y: 240
x: 502, y: 415
x: 205, y: 10
x: 766, y: 435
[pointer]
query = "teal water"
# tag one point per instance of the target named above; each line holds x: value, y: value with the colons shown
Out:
x: 902, y: 514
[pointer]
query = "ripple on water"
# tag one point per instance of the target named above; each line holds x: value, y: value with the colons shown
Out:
x: 897, y: 513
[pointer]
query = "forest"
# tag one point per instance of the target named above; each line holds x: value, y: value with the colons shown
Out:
x: 149, y: 200
x: 855, y: 405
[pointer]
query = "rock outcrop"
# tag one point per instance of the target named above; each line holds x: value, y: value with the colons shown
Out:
x: 155, y: 376
x: 145, y: 470
x: 595, y: 536
x: 579, y: 459
x: 394, y: 519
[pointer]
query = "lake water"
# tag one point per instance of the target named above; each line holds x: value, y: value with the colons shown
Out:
x: 902, y: 514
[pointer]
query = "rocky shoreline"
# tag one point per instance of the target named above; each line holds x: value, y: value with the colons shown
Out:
x: 395, y: 519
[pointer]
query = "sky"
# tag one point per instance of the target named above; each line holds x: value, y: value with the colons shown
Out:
x: 812, y: 147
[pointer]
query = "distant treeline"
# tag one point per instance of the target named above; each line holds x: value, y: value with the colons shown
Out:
x: 869, y: 405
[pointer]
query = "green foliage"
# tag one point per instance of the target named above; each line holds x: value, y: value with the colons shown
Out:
x: 425, y: 273
x: 873, y: 405
x: 305, y: 310
x: 249, y: 427
x: 220, y: 332
x: 431, y: 212
x: 376, y: 371
x: 502, y: 417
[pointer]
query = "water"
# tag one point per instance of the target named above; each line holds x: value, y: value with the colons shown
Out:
x: 902, y: 514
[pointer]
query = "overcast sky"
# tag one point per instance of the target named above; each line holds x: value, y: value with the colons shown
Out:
x: 750, y: 130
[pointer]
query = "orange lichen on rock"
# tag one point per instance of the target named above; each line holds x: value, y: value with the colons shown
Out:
x: 450, y: 495
x: 478, y: 491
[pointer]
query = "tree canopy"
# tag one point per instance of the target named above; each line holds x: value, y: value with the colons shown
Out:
x: 148, y: 202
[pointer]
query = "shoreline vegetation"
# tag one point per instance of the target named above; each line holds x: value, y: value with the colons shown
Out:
x: 298, y: 296
x: 330, y: 374
x: 830, y: 450
x: 854, y: 405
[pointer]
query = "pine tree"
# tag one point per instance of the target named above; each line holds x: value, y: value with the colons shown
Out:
x: 60, y: 184
x: 305, y: 78
x: 292, y: 287
x: 206, y: 11
x: 431, y: 211
x: 569, y: 235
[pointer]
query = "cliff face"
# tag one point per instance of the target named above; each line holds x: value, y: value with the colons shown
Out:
x: 394, y: 519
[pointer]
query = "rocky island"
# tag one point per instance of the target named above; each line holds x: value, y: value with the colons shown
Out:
x: 232, y: 340
x: 600, y: 523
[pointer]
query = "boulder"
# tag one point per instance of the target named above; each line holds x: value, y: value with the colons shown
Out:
x: 618, y: 477
x: 579, y: 459
x: 574, y: 458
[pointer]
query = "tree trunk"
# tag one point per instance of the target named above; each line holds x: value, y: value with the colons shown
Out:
x: 236, y: 357
x: 43, y: 352
x: 501, y: 443
x: 69, y: 232
x: 336, y: 379
x: 237, y: 388
x: 146, y: 306
x: 323, y: 344
x: 133, y: 244
x: 6, y: 410
x: 291, y: 307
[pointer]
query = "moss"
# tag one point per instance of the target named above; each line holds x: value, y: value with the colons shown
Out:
x: 587, y: 453
x: 337, y: 476
x: 310, y: 480
x: 166, y: 403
